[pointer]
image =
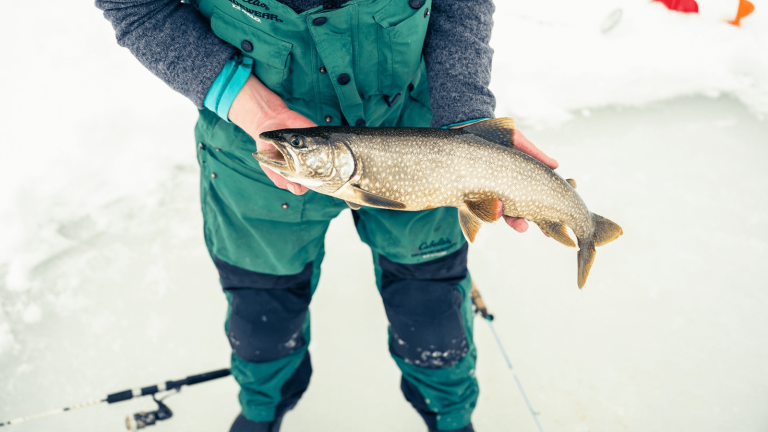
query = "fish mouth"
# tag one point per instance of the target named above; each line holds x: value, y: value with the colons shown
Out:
x: 276, y: 158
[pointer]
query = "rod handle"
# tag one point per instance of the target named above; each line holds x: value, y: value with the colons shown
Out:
x: 208, y: 376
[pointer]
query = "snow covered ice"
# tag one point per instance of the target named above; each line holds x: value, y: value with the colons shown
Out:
x: 105, y: 283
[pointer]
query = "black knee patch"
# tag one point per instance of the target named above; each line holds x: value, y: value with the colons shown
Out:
x: 423, y: 305
x: 267, y: 311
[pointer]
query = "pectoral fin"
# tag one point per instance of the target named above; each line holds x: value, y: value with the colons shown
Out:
x: 353, y: 206
x: 487, y: 210
x: 571, y: 182
x: 557, y: 231
x: 374, y: 200
x: 469, y: 223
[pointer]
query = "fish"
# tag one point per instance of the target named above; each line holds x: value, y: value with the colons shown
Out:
x: 475, y: 169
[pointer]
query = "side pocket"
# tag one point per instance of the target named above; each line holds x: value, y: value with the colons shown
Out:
x: 247, y: 192
x: 205, y: 123
x: 272, y: 55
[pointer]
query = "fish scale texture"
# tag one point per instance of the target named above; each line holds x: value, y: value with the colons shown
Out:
x: 427, y: 168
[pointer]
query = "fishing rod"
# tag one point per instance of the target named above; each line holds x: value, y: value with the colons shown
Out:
x: 142, y: 419
x: 482, y: 310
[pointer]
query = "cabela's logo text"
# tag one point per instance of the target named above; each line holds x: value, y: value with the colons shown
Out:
x: 254, y: 14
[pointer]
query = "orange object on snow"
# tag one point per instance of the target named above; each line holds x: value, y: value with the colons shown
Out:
x: 745, y: 8
x: 682, y: 5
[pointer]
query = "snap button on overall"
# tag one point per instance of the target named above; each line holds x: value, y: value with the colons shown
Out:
x: 360, y: 123
x: 344, y: 79
x: 246, y: 46
x: 319, y: 21
x: 415, y: 3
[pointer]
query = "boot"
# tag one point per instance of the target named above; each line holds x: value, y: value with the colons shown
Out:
x: 467, y: 428
x: 242, y: 424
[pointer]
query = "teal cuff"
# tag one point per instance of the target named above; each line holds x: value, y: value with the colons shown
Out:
x: 227, y: 85
x: 462, y: 123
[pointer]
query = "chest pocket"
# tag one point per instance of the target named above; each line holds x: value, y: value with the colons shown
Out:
x: 272, y: 55
x: 401, y: 35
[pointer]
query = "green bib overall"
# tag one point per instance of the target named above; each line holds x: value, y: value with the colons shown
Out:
x: 360, y: 64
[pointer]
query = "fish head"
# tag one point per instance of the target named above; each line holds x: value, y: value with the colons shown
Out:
x: 311, y: 157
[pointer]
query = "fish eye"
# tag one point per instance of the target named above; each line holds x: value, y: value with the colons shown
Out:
x: 296, y: 142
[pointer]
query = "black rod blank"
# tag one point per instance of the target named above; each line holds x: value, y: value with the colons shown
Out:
x: 130, y: 394
x: 167, y: 386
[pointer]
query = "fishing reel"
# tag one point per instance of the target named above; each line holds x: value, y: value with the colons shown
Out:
x: 483, y: 313
x: 143, y: 419
x: 479, y: 304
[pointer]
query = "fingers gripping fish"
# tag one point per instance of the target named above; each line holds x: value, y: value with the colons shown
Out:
x: 475, y: 169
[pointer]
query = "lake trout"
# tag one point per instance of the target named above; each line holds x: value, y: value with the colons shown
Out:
x: 475, y: 169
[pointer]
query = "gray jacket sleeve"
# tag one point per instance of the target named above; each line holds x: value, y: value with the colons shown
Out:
x: 170, y: 39
x: 458, y: 60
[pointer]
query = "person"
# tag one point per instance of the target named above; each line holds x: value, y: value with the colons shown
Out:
x: 256, y: 65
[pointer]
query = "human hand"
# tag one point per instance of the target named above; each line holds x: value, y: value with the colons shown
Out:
x: 257, y: 109
x: 523, y: 144
x: 286, y: 119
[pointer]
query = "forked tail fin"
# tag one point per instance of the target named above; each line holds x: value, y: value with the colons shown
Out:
x: 605, y: 232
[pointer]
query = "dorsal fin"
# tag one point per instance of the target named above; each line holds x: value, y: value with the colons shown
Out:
x: 571, y: 182
x: 499, y: 131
